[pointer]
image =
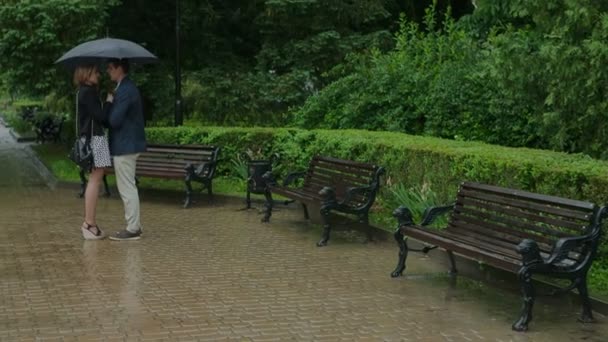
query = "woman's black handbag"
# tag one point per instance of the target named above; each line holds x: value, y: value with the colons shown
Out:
x: 81, y: 152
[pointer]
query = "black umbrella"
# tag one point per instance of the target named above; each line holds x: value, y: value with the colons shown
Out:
x: 99, y: 50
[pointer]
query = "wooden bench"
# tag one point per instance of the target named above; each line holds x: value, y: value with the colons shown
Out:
x: 187, y: 162
x: 334, y: 184
x: 49, y: 129
x: 517, y: 231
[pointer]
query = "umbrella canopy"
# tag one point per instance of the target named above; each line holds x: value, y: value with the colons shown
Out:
x: 99, y: 50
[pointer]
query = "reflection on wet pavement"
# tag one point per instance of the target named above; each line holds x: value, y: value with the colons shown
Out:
x: 213, y: 272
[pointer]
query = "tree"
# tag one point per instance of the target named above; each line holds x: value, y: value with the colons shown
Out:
x: 33, y: 34
x: 552, y: 55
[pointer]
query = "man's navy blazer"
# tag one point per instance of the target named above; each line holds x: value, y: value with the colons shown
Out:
x: 126, y: 121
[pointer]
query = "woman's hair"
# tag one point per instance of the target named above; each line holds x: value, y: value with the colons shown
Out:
x: 82, y: 74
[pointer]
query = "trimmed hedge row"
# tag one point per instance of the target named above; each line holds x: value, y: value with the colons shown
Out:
x: 409, y: 159
x: 414, y: 160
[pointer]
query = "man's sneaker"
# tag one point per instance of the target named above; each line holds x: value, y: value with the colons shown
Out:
x: 125, y: 235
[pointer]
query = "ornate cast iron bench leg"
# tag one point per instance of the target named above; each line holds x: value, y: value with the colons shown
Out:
x: 402, y: 253
x: 209, y: 188
x: 248, y: 197
x: 83, y: 183
x: 453, y: 271
x: 267, y: 206
x: 106, y: 187
x: 527, y: 289
x: 364, y: 219
x: 305, y: 208
x: 328, y: 203
x: 188, y: 200
x: 326, y: 226
x: 586, y: 315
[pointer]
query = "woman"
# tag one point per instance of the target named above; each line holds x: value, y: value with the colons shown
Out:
x: 91, y: 118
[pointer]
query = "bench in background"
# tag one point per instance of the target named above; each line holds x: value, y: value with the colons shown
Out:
x: 335, y: 184
x: 187, y: 162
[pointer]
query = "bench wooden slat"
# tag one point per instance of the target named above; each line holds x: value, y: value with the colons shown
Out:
x: 565, y: 212
x: 500, y: 261
x: 511, y: 193
x: 509, y: 223
x: 157, y: 174
x: 345, y: 163
x: 483, y: 241
x: 504, y: 229
x: 338, y: 184
x: 167, y: 165
x: 322, y: 165
x: 178, y: 165
x: 156, y: 155
x: 179, y: 157
x: 330, y: 175
x: 556, y: 211
x: 160, y: 168
x: 504, y: 241
x: 181, y: 148
x: 519, y: 215
x: 297, y: 195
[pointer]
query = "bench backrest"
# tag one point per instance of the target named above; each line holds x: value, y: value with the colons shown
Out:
x: 341, y: 175
x: 493, y: 214
x: 170, y: 160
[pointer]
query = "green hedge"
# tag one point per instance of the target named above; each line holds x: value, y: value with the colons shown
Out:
x: 411, y: 160
x: 414, y: 160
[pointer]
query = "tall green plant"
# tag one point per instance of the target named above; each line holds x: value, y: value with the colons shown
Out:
x: 416, y: 198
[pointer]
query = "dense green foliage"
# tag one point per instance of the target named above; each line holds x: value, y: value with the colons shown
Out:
x: 409, y: 159
x: 517, y: 73
x: 243, y: 62
x: 33, y: 34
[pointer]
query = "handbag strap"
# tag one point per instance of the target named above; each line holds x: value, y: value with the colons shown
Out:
x: 78, y: 117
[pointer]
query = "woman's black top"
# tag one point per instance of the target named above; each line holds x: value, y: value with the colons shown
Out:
x: 90, y: 108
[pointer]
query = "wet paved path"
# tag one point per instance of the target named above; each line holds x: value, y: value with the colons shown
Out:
x: 214, y: 273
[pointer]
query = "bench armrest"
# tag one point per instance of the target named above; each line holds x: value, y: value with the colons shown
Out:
x: 201, y: 169
x: 564, y: 246
x: 530, y: 251
x: 353, y: 191
x: 293, y: 176
x: 431, y: 213
x: 404, y: 217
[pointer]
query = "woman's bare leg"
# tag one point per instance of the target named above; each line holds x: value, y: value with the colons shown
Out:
x: 90, y: 198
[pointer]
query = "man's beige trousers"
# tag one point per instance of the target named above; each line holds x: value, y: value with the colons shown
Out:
x: 124, y: 168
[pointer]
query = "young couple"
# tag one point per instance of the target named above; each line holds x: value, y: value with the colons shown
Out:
x: 122, y: 115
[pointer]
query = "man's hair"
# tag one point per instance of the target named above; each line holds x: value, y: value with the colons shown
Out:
x: 83, y: 73
x: 123, y: 63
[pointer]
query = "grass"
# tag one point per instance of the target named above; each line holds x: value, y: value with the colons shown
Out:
x: 16, y: 122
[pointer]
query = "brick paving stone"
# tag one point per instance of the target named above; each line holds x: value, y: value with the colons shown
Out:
x: 214, y: 273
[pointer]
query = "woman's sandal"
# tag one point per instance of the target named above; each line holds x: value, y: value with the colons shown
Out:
x: 91, y: 234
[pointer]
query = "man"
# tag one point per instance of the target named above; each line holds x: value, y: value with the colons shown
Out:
x: 127, y: 140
